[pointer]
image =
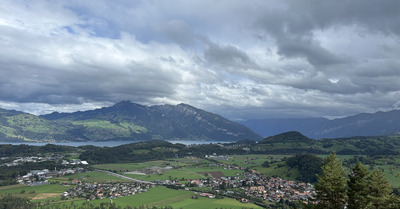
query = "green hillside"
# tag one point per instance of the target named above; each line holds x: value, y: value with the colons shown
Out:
x: 127, y: 120
x: 122, y: 121
x: 19, y: 126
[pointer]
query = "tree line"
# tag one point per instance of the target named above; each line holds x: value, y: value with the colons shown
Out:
x: 361, y: 188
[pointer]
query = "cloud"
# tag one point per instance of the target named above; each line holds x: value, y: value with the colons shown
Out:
x: 226, y: 55
x: 240, y: 59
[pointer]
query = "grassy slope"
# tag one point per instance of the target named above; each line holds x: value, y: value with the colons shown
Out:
x: 31, y: 127
x: 32, y: 192
x: 97, y: 128
x: 161, y: 196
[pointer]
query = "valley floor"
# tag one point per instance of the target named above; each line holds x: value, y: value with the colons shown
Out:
x: 234, y: 181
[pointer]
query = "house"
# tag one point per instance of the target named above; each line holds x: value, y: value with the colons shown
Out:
x: 207, y: 195
x: 244, y: 200
x: 75, y: 181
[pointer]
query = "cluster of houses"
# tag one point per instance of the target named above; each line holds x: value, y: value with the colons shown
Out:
x: 75, y: 162
x: 214, y: 156
x: 252, y: 184
x: 92, y: 191
x: 40, y: 176
x: 14, y: 161
x: 275, y: 189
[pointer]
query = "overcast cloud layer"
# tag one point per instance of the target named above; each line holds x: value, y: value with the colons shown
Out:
x: 240, y: 59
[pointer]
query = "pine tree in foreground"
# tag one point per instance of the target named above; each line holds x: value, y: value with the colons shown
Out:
x: 331, y: 186
x: 380, y: 190
x: 358, y: 187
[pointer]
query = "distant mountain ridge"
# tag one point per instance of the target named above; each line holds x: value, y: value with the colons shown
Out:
x: 274, y: 126
x: 364, y: 124
x: 123, y: 121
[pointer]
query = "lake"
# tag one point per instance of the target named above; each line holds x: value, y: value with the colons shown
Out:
x: 112, y: 143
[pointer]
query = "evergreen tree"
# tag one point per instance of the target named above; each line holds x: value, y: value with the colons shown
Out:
x: 380, y: 190
x: 358, y: 187
x: 330, y: 189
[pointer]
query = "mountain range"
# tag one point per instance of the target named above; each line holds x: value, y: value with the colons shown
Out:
x: 123, y: 121
x: 130, y: 121
x: 364, y: 124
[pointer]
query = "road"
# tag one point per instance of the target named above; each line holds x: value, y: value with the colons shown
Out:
x: 124, y: 177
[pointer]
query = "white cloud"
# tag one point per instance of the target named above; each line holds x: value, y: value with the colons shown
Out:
x: 239, y: 59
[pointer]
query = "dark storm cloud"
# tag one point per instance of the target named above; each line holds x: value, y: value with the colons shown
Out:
x: 292, y: 26
x: 93, y: 83
x: 226, y: 55
x: 237, y: 58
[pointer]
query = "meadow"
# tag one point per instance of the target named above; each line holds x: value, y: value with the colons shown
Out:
x: 91, y: 177
x: 185, y: 173
x: 161, y: 196
x: 39, y: 192
x: 184, y: 168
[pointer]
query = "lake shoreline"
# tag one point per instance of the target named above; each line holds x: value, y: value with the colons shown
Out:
x: 110, y: 143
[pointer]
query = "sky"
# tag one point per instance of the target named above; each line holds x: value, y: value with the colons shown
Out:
x: 241, y: 59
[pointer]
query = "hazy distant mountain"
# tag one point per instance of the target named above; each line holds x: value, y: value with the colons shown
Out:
x: 365, y: 124
x: 127, y: 120
x: 273, y: 126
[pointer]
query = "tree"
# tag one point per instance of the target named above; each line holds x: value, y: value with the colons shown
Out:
x: 330, y: 189
x: 10, y: 201
x: 307, y: 164
x: 266, y: 164
x: 380, y: 190
x: 358, y: 187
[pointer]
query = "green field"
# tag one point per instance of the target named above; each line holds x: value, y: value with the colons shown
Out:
x: 185, y: 173
x: 161, y: 196
x: 89, y: 177
x: 45, y: 191
x: 161, y: 163
x: 185, y: 168
x: 391, y: 173
x: 130, y: 166
x: 251, y: 161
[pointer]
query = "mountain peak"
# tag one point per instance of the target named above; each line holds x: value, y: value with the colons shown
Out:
x: 123, y: 103
x: 127, y: 120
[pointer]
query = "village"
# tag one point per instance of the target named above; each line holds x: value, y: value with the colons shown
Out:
x: 95, y: 190
x: 250, y: 183
x: 36, y: 177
